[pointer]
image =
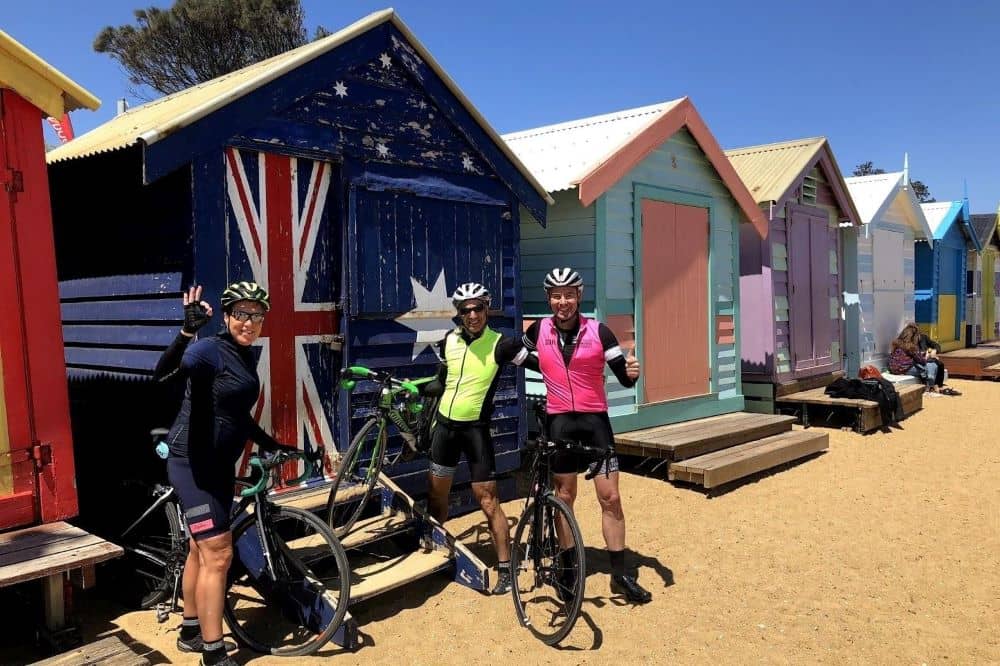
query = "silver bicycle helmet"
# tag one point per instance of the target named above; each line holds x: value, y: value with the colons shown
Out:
x: 469, y: 291
x: 563, y: 277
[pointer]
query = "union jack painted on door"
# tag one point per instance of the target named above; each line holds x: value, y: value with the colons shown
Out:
x: 279, y: 233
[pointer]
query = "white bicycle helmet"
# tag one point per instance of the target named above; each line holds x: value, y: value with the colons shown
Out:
x: 470, y: 291
x: 563, y: 277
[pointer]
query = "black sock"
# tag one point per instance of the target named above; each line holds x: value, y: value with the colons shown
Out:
x: 617, y: 562
x: 214, y: 652
x: 190, y: 628
x: 503, y: 565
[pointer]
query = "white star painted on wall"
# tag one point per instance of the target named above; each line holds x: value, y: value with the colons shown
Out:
x: 467, y: 163
x: 385, y: 60
x: 382, y: 149
x: 340, y: 90
x: 432, y: 317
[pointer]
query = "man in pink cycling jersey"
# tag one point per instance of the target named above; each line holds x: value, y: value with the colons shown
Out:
x: 572, y: 351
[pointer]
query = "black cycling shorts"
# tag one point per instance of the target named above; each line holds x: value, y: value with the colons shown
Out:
x: 591, y: 428
x: 207, y: 499
x: 449, y: 442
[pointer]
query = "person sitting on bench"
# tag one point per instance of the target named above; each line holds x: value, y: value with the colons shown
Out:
x: 913, y: 353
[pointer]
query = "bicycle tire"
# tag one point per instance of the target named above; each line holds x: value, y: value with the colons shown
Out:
x: 153, y: 556
x: 539, y: 566
x: 353, y: 485
x: 286, y: 617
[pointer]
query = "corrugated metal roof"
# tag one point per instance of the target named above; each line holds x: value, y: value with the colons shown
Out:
x: 872, y: 195
x: 39, y: 82
x: 561, y: 155
x: 155, y: 120
x: 983, y: 224
x: 770, y: 170
x: 871, y: 192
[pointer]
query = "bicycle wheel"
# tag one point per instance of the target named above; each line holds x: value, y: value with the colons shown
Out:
x: 297, y: 610
x: 549, y: 579
x: 359, y: 469
x: 154, y: 558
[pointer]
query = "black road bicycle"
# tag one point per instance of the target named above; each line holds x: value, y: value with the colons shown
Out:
x: 398, y: 403
x: 289, y: 584
x: 547, y: 558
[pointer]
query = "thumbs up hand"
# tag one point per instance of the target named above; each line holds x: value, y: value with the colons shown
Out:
x: 632, y: 364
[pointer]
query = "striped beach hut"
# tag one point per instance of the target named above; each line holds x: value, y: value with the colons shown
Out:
x: 649, y: 209
x: 792, y: 281
x: 983, y: 282
x: 940, y: 272
x: 891, y: 222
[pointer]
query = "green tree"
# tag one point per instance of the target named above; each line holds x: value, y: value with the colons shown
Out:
x: 920, y: 190
x: 198, y: 40
x: 867, y: 169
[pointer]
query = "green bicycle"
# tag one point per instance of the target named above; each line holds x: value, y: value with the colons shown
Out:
x: 399, y: 404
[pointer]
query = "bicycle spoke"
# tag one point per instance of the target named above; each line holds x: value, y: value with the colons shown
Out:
x: 297, y: 609
x: 548, y: 570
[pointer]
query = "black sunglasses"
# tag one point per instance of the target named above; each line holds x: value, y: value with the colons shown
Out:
x: 471, y: 309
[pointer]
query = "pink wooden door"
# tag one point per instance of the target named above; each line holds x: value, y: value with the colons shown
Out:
x: 674, y: 301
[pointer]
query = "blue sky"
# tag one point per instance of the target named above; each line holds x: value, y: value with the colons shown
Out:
x: 877, y: 78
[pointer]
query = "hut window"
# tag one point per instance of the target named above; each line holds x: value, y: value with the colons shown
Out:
x: 809, y: 189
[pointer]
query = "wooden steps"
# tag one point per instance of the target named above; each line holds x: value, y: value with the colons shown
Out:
x: 974, y: 362
x: 376, y: 528
x: 373, y: 579
x: 680, y: 441
x: 719, y: 467
x: 109, y: 651
x: 815, y: 403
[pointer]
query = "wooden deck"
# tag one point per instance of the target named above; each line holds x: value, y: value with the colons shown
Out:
x: 868, y: 417
x: 694, y: 438
x: 974, y: 362
x: 719, y: 467
x: 48, y: 552
x: 110, y: 651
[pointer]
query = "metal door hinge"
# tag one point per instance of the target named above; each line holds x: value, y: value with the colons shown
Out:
x: 41, y: 454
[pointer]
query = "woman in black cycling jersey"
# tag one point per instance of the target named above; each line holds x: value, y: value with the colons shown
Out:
x: 206, y: 440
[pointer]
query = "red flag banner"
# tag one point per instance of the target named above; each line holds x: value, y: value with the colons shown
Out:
x: 63, y: 127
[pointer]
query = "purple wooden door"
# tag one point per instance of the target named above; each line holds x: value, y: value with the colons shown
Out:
x: 809, y: 243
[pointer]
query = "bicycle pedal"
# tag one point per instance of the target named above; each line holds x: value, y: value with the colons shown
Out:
x: 162, y: 613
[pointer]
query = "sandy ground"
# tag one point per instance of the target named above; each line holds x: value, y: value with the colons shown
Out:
x: 885, y: 549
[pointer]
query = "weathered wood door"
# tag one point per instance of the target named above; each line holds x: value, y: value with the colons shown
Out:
x: 809, y: 243
x: 37, y: 480
x: 889, y: 288
x: 988, y: 291
x: 950, y: 281
x: 283, y: 232
x: 675, y: 327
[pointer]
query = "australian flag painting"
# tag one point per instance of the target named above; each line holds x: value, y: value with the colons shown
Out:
x: 280, y: 234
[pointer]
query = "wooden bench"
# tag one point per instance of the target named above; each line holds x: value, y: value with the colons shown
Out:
x: 109, y: 651
x: 49, y: 552
x: 868, y: 416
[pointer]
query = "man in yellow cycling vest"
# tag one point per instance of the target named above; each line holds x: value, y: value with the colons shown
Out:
x: 472, y: 356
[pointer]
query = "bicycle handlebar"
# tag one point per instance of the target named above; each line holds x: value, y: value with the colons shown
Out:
x: 350, y: 374
x: 267, y: 464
